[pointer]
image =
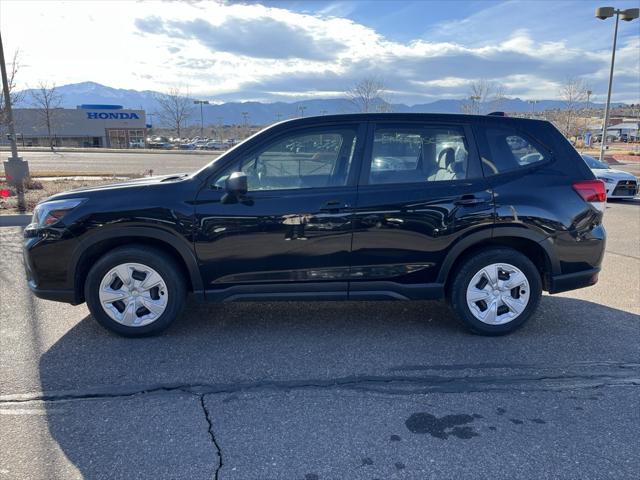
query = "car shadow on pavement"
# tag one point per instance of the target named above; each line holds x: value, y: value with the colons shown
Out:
x: 129, y: 391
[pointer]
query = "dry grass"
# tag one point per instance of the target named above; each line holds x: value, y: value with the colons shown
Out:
x: 39, y: 190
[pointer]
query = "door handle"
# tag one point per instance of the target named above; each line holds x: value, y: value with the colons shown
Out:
x: 334, y: 206
x: 471, y: 200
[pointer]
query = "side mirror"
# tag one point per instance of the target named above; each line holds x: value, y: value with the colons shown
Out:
x: 236, y: 184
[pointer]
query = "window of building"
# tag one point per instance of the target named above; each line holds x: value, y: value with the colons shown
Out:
x: 117, y: 138
x: 136, y: 138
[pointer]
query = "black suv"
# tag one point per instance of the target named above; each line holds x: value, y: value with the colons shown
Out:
x: 486, y: 211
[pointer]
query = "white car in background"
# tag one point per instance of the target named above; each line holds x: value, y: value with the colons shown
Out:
x: 618, y: 184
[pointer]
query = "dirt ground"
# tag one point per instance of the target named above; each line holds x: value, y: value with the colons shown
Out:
x: 38, y: 190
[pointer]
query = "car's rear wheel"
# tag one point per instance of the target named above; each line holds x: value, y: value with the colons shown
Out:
x: 135, y: 291
x: 495, y: 291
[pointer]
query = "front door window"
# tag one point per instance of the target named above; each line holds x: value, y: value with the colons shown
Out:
x: 311, y: 159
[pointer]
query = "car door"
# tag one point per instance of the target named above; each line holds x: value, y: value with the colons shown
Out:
x: 421, y: 190
x: 290, y: 235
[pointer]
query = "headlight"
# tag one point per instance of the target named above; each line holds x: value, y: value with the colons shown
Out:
x: 48, y: 213
x: 606, y: 179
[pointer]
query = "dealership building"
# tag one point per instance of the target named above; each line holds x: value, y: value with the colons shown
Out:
x: 109, y: 126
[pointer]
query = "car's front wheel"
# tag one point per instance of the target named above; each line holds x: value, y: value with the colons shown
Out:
x: 495, y: 291
x: 135, y: 291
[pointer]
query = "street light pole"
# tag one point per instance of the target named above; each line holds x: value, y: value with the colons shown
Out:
x: 201, y: 102
x: 245, y: 123
x: 586, y: 116
x: 627, y: 15
x: 16, y: 170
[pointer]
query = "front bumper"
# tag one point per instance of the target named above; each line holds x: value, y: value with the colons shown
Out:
x: 46, y: 257
x: 66, y: 296
x: 573, y: 281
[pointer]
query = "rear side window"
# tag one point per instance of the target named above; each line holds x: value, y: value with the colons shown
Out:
x: 509, y: 150
x: 418, y: 154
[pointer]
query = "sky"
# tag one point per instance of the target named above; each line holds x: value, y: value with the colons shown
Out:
x: 292, y: 50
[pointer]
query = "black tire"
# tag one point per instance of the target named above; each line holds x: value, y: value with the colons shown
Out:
x: 158, y: 260
x: 476, y: 262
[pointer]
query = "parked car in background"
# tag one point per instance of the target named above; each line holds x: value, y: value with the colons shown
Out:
x: 618, y: 184
x: 159, y: 142
x: 136, y: 143
x: 215, y: 145
x: 363, y: 207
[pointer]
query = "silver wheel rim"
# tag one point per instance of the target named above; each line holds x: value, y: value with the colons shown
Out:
x: 133, y: 294
x: 498, y: 294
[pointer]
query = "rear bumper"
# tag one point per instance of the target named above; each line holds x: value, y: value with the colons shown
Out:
x: 573, y: 281
x: 622, y: 189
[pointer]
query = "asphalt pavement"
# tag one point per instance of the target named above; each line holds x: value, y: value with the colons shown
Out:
x: 326, y: 390
x: 118, y: 163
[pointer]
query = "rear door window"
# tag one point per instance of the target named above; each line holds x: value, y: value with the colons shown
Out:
x: 418, y: 154
x: 509, y: 150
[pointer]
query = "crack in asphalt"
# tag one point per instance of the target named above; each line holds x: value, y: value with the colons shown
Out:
x: 396, y: 384
x: 212, y: 436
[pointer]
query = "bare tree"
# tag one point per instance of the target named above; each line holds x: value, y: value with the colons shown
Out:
x: 15, y: 97
x: 366, y: 93
x: 46, y: 99
x: 573, y: 93
x: 175, y: 108
x: 484, y: 96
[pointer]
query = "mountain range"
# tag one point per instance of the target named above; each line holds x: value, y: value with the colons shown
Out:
x: 259, y: 113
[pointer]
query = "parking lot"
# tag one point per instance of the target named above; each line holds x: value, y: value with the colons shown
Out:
x: 137, y: 162
x: 327, y: 390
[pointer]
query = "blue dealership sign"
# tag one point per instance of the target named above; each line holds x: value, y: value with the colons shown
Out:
x: 112, y: 116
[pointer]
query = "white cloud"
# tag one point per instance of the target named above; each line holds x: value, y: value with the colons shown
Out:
x: 242, y: 50
x: 446, y: 82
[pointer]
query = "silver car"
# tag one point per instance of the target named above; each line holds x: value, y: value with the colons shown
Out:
x: 618, y: 184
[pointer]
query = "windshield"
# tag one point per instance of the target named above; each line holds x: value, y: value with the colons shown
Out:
x: 593, y: 163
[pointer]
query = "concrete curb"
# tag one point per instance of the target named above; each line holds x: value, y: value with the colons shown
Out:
x: 15, y: 220
x: 26, y: 150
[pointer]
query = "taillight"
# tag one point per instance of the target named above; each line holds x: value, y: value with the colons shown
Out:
x: 592, y: 191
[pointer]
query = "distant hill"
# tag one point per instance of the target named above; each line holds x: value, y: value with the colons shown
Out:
x: 260, y: 113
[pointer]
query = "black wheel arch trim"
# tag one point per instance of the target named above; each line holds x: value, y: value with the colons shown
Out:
x: 142, y: 232
x: 468, y: 241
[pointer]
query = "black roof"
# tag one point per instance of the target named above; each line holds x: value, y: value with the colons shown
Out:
x: 409, y: 117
